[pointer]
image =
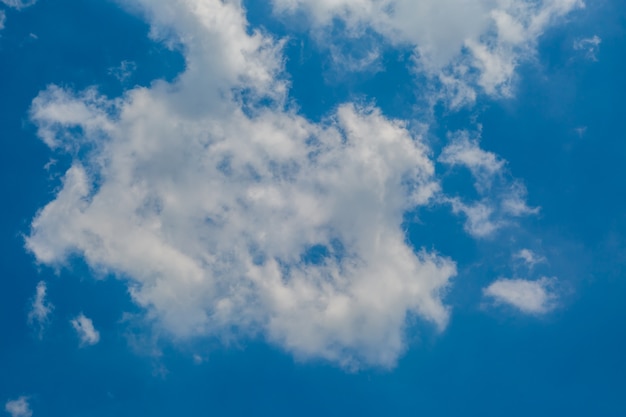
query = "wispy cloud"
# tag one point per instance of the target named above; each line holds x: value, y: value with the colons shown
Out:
x: 87, y: 333
x: 40, y: 309
x: 124, y: 71
x: 19, y: 4
x: 589, y: 46
x: 501, y: 199
x: 19, y: 407
x: 530, y: 258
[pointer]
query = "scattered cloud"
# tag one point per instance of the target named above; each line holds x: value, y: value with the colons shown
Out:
x: 87, y: 333
x: 589, y: 46
x: 465, y: 151
x: 529, y: 257
x: 228, y: 213
x: 19, y: 407
x: 500, y: 199
x: 529, y: 297
x: 124, y: 71
x: 40, y: 309
x: 3, y: 18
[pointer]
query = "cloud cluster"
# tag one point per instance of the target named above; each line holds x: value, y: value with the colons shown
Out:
x: 464, y: 45
x: 19, y: 407
x: 229, y: 213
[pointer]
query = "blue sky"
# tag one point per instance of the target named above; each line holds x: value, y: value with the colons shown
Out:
x: 310, y: 208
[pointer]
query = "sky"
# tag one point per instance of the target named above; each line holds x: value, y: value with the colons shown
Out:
x: 307, y: 207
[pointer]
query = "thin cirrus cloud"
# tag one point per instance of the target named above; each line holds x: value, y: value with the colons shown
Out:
x: 85, y: 330
x: 231, y: 213
x: 18, y: 407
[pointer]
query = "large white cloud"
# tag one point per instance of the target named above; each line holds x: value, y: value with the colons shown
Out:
x: 228, y: 213
x: 462, y: 43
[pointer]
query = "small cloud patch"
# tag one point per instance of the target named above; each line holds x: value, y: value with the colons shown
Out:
x: 40, y: 309
x: 19, y: 407
x: 87, y: 333
x: 589, y: 46
x: 529, y: 297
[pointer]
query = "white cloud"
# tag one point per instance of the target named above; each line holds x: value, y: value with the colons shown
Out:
x: 530, y: 297
x: 87, y: 333
x: 18, y: 407
x: 465, y: 151
x: 589, y: 46
x: 476, y: 43
x: 500, y: 200
x: 40, y: 308
x: 19, y: 4
x: 530, y: 258
x: 3, y: 18
x: 212, y: 204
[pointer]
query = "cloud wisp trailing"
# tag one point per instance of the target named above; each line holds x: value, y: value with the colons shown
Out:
x: 229, y: 213
x: 501, y: 199
x: 589, y: 46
